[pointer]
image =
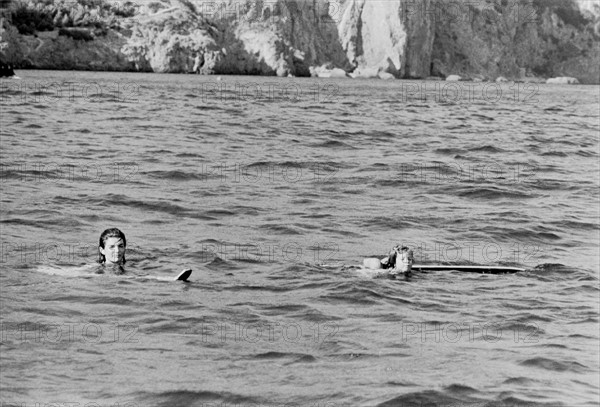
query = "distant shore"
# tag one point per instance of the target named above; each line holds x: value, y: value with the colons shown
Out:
x: 450, y: 80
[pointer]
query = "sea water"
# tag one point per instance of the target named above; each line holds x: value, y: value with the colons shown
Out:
x: 269, y: 188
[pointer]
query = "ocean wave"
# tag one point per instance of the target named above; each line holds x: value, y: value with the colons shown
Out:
x: 195, y: 398
x: 350, y: 199
x: 555, y: 365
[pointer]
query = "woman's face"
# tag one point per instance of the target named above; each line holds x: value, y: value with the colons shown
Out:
x: 114, y: 250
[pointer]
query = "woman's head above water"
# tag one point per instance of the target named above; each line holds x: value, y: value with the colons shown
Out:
x: 111, y: 248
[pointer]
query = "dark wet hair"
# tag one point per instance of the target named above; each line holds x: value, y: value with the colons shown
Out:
x: 113, y: 232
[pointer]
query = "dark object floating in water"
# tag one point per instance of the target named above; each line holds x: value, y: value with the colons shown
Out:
x: 469, y: 269
x: 183, y: 276
x: 6, y: 71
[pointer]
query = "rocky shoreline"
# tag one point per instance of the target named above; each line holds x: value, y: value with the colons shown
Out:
x: 520, y: 40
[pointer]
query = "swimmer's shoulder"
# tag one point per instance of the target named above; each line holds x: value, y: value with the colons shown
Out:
x: 93, y: 268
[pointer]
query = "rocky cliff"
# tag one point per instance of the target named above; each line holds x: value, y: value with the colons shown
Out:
x: 541, y: 38
x: 405, y: 38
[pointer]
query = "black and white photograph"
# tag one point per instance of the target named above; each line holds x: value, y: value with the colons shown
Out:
x: 300, y: 203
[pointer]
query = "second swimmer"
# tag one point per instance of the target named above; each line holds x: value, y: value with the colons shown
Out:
x: 399, y: 261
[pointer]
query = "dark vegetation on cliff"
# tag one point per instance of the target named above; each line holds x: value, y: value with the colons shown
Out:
x: 30, y: 17
x: 566, y: 11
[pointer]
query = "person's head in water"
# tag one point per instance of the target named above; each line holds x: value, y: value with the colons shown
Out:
x: 111, y: 248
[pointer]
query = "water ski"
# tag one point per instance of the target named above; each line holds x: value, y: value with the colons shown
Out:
x: 374, y: 271
x: 468, y: 269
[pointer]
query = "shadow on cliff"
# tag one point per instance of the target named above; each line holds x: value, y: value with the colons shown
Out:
x: 281, y: 38
x: 234, y: 59
x: 315, y: 32
x: 543, y: 38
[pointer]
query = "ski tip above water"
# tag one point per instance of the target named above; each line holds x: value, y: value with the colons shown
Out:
x: 184, y: 275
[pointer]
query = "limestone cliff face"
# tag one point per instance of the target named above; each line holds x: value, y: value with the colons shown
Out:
x: 242, y: 37
x: 287, y: 37
x: 276, y: 37
x: 387, y: 36
x: 166, y: 37
x: 405, y: 38
x: 373, y: 35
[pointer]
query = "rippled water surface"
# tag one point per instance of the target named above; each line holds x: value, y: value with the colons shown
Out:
x: 269, y: 188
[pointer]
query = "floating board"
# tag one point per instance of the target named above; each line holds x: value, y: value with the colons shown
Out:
x: 375, y: 273
x: 468, y: 269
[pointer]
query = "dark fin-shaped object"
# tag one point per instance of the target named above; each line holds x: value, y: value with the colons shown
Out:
x: 184, y: 275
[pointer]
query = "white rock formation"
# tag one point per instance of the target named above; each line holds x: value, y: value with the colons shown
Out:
x: 365, y: 73
x: 563, y: 80
x: 385, y: 75
x: 372, y: 34
x: 323, y: 72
